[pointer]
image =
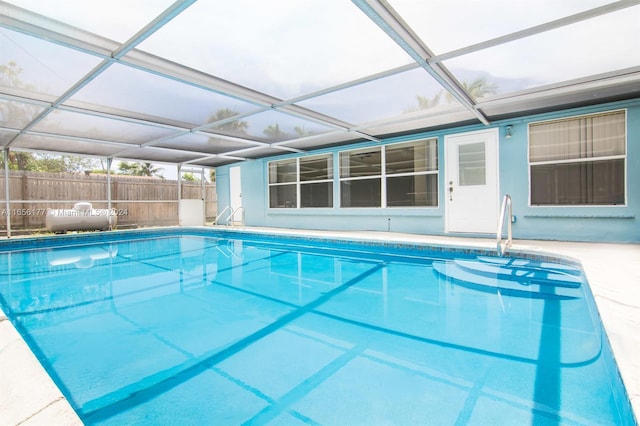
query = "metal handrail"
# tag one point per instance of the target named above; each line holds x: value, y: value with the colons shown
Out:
x: 233, y: 213
x: 215, y: 222
x: 506, y: 205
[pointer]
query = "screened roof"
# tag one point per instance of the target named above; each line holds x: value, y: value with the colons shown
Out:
x: 209, y: 83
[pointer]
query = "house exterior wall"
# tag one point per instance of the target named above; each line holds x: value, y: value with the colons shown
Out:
x: 575, y: 223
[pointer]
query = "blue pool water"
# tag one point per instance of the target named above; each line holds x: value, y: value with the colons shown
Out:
x: 206, y: 328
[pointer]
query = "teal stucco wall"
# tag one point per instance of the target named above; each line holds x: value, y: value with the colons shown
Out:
x: 581, y: 223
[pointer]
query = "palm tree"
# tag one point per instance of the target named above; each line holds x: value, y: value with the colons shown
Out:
x: 138, y: 169
x: 273, y: 132
x: 148, y: 169
x: 425, y: 103
x: 301, y: 131
x: 236, y: 127
x: 478, y: 88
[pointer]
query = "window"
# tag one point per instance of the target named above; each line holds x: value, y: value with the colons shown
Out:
x: 471, y: 164
x: 397, y: 175
x: 301, y: 182
x: 412, y: 174
x: 360, y: 177
x: 283, y: 176
x: 578, y: 161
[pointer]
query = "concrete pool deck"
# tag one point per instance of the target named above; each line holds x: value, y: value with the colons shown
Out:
x: 30, y: 397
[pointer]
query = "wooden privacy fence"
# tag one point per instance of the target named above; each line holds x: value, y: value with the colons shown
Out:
x: 138, y: 201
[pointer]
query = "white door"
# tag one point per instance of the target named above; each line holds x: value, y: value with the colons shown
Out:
x: 471, y: 185
x: 235, y: 192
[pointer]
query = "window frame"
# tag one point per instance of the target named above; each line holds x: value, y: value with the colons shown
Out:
x: 584, y: 160
x: 384, y: 176
x: 366, y: 177
x: 298, y: 182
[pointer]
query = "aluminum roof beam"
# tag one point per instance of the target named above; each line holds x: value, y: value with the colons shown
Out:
x: 391, y: 23
x: 615, y: 84
x: 538, y: 29
x: 122, y: 50
x: 20, y: 20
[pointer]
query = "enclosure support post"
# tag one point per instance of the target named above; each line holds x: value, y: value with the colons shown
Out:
x: 6, y: 191
x: 179, y: 167
x: 179, y: 182
x: 109, y: 212
x: 109, y: 160
x: 203, y: 192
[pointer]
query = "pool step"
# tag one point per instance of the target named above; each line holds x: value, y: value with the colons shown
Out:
x: 522, y: 273
x: 525, y: 280
x: 532, y: 265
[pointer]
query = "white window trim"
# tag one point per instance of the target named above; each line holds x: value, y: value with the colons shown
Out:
x: 297, y: 183
x: 384, y: 175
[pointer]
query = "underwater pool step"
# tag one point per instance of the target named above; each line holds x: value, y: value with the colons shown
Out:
x: 523, y: 274
x: 488, y: 279
x: 533, y: 265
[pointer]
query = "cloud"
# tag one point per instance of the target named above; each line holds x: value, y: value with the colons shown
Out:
x: 288, y: 48
x: 118, y: 20
x: 281, y: 47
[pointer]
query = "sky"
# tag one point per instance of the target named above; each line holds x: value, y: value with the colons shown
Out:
x: 291, y: 47
x: 288, y: 48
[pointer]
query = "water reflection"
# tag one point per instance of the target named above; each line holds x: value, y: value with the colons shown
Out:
x: 302, y: 329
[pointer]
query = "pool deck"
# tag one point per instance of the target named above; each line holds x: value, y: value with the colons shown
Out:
x: 30, y: 397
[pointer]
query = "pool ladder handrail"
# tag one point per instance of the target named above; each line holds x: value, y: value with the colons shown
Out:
x: 501, y: 247
x: 233, y: 213
x: 217, y: 221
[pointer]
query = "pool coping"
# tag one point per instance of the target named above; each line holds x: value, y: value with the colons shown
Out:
x: 609, y: 269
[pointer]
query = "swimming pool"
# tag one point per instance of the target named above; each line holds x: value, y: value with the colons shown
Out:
x: 231, y: 328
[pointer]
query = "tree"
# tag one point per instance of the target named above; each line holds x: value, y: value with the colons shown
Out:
x: 49, y: 163
x: 21, y: 161
x: 478, y: 88
x: 236, y: 127
x: 189, y: 177
x: 62, y: 163
x: 301, y: 131
x: 17, y: 114
x: 138, y: 169
x: 425, y: 102
x: 148, y: 169
x: 273, y: 132
x: 128, y: 168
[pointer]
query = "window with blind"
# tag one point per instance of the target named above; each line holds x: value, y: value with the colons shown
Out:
x: 361, y: 178
x: 396, y: 175
x: 301, y: 182
x: 579, y: 160
x: 411, y: 171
